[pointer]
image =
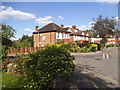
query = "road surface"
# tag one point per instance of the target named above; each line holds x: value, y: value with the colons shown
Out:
x: 96, y: 63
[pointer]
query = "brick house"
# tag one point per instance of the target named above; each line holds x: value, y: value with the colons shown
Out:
x: 111, y: 39
x: 50, y: 34
x: 77, y: 35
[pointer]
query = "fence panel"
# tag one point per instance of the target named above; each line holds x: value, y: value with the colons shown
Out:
x: 23, y: 50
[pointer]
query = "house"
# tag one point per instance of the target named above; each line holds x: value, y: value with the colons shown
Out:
x: 112, y: 39
x: 50, y: 34
x: 77, y: 35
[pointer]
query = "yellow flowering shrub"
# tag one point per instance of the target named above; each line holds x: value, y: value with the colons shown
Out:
x: 58, y: 45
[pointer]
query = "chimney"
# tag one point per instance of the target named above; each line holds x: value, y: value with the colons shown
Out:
x: 73, y: 26
x: 62, y: 26
x: 36, y: 28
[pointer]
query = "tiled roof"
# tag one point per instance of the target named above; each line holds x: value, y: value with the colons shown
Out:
x: 75, y: 33
x: 52, y: 27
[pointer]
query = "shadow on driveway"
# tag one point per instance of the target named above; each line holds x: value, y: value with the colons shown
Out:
x: 79, y: 81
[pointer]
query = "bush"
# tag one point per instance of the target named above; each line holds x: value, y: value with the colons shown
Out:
x: 60, y: 42
x: 47, y: 64
x: 86, y: 49
x: 5, y: 62
x: 75, y: 48
x: 67, y: 46
x: 4, y: 51
x: 18, y: 61
x: 110, y: 45
x: 116, y: 45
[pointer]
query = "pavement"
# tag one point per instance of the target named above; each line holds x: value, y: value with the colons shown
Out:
x: 105, y: 68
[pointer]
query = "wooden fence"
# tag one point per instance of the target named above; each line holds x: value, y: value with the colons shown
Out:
x: 23, y: 50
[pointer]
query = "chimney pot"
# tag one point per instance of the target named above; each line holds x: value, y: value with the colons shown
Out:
x: 36, y: 28
x: 62, y: 26
x: 74, y: 26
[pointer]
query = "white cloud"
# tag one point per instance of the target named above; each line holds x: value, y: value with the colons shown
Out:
x: 109, y: 1
x: 9, y: 12
x: 117, y: 18
x: 60, y: 17
x: 27, y: 29
x: 44, y: 20
x: 2, y: 7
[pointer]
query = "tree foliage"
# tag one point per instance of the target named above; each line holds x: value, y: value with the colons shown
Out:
x: 7, y: 32
x: 104, y: 26
x: 25, y: 41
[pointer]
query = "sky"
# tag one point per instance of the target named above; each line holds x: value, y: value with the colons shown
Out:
x: 24, y: 16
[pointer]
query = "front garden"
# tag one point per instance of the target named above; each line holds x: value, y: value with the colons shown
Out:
x: 39, y: 69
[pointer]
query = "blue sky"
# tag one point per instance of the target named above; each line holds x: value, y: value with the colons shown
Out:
x: 24, y: 16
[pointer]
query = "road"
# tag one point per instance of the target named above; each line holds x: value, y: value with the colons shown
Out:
x: 96, y: 63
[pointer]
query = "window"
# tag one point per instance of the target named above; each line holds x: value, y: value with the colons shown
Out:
x: 44, y: 38
x: 58, y: 35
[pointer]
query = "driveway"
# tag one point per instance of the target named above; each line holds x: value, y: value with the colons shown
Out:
x: 107, y: 67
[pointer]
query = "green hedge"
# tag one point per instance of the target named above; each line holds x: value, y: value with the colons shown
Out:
x: 110, y: 45
x: 43, y: 66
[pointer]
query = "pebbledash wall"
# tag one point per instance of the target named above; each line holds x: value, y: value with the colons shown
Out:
x: 71, y: 35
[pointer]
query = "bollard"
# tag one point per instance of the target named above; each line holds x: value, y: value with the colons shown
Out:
x: 103, y: 55
x: 107, y: 56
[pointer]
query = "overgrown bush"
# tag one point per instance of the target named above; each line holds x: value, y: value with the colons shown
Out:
x: 43, y: 66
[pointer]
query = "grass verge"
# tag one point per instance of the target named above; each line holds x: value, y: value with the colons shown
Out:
x: 10, y: 80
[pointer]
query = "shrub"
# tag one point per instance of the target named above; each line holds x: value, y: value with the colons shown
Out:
x: 43, y: 66
x: 60, y: 42
x: 5, y: 62
x: 86, y: 49
x: 110, y: 45
x: 18, y: 61
x: 4, y: 51
x: 75, y: 48
x: 67, y: 46
x: 116, y: 45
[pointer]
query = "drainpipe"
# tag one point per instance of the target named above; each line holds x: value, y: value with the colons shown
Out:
x: 50, y: 37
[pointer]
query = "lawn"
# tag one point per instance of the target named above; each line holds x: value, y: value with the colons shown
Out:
x: 10, y: 80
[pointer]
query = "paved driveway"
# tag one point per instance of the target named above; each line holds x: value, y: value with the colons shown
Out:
x: 96, y: 63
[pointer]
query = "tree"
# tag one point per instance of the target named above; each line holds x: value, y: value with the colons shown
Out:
x: 25, y: 41
x: 7, y: 33
x: 117, y: 33
x: 104, y: 26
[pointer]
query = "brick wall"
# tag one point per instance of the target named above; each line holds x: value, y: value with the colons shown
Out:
x: 45, y: 38
x: 71, y: 38
x: 36, y: 40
